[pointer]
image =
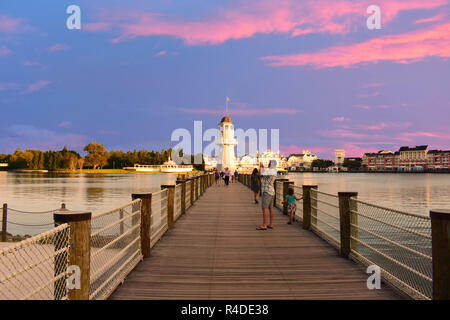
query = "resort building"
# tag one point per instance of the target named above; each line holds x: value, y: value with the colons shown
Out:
x: 301, y: 161
x: 407, y: 159
x: 339, y: 156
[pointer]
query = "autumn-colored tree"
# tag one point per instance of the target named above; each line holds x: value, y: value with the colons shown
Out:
x: 97, y: 156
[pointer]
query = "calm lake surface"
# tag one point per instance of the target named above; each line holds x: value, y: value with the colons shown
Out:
x: 416, y: 193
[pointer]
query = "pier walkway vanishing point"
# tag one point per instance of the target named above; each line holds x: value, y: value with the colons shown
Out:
x: 215, y: 252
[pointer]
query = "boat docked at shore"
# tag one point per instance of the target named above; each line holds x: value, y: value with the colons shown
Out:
x: 167, y: 167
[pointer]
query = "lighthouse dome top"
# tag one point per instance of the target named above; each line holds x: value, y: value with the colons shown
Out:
x: 226, y: 119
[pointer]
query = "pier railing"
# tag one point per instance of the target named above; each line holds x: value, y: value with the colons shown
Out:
x: 35, y: 268
x: 412, y: 251
x: 87, y: 256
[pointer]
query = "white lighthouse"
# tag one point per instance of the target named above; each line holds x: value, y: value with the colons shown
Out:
x: 226, y: 143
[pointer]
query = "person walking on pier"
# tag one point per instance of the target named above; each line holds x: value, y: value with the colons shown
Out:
x: 227, y: 176
x: 235, y: 175
x: 255, y: 184
x: 292, y: 206
x: 268, y: 192
x: 216, y: 176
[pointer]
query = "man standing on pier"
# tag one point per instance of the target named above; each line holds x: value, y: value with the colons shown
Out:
x: 268, y: 192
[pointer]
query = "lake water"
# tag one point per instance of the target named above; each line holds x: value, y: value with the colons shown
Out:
x: 416, y: 193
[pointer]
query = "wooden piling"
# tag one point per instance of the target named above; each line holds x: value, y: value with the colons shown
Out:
x: 4, y: 221
x: 146, y: 218
x: 183, y: 195
x: 346, y: 218
x: 170, y: 204
x: 440, y: 234
x: 307, y: 205
x: 79, y: 250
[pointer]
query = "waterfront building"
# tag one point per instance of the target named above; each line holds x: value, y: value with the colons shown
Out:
x: 413, y: 159
x: 226, y: 143
x: 438, y: 160
x: 301, y: 161
x: 416, y: 158
x: 339, y: 156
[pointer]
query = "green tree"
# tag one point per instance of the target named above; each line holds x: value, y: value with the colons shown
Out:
x: 322, y: 164
x: 353, y: 164
x: 97, y: 156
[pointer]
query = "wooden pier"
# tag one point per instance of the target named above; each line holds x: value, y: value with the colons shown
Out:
x: 215, y: 252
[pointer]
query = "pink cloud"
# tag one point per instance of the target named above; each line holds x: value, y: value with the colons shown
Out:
x: 9, y: 25
x: 244, y: 112
x: 369, y: 95
x: 364, y: 107
x: 339, y: 119
x: 161, y: 53
x: 373, y: 85
x: 385, y: 125
x: 64, y: 124
x: 58, y: 47
x: 250, y: 17
x: 34, y: 87
x: 403, y: 48
x: 436, y: 18
x: 4, y: 51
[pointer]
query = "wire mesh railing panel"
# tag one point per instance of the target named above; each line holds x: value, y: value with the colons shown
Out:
x: 398, y: 242
x: 325, y: 215
x: 177, y: 202
x: 24, y: 224
x: 36, y: 268
x: 188, y: 194
x: 115, y: 247
x: 159, y: 221
x: 279, y: 194
x: 298, y: 191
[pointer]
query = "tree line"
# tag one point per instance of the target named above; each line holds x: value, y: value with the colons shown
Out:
x: 97, y: 157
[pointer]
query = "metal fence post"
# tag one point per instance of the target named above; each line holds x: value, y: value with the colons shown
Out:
x: 440, y: 234
x: 170, y: 204
x: 4, y: 221
x: 79, y: 250
x: 345, y: 218
x: 307, y: 205
x: 146, y: 220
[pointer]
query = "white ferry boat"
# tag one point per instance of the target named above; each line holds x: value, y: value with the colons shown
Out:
x: 167, y: 167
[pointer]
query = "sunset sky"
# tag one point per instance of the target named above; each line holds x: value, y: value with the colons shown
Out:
x: 137, y: 70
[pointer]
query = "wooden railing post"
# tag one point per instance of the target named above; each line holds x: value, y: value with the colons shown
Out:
x: 79, y: 251
x: 4, y: 221
x: 286, y: 186
x: 170, y: 204
x: 307, y: 205
x: 183, y: 195
x: 346, y: 218
x: 192, y: 190
x: 196, y: 188
x: 146, y: 220
x: 282, y: 180
x: 440, y: 235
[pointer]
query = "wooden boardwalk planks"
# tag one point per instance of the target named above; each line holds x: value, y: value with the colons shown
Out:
x: 214, y: 252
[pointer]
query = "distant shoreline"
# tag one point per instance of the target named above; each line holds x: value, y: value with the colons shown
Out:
x: 87, y: 171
